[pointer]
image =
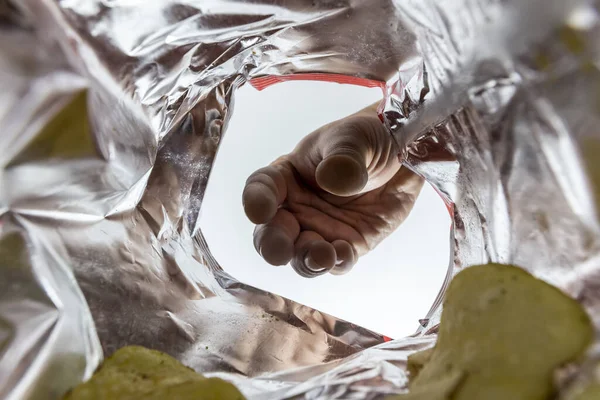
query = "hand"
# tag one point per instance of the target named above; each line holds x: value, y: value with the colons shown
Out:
x: 339, y: 193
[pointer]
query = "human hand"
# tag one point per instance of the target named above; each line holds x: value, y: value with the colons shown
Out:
x: 338, y: 194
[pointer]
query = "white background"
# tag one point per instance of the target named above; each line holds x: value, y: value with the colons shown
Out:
x: 390, y: 288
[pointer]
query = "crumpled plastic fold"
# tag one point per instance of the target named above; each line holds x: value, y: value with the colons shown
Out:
x: 112, y: 112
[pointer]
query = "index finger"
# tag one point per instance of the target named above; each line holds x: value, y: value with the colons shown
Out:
x: 264, y: 192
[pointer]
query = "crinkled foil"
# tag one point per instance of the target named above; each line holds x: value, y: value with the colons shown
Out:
x: 111, y: 115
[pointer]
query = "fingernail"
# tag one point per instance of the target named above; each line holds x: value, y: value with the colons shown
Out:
x: 312, y: 264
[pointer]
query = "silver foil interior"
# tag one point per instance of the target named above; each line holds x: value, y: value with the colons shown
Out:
x: 111, y: 113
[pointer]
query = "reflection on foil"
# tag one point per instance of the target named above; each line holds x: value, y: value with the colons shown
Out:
x: 112, y: 115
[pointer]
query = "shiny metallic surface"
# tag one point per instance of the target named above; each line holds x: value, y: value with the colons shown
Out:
x: 509, y: 160
x: 112, y: 113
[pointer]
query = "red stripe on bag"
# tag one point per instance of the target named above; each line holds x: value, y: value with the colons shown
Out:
x: 264, y: 82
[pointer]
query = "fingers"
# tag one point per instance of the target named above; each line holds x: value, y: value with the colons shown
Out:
x: 278, y: 237
x: 265, y: 190
x: 280, y: 242
x: 274, y: 241
x: 346, y: 257
x: 315, y: 256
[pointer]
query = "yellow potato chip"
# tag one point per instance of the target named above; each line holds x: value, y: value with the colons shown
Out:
x: 135, y: 372
x: 505, y: 332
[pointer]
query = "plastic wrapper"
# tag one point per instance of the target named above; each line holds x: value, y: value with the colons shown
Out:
x: 111, y: 115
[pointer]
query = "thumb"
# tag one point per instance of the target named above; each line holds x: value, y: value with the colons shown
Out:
x: 342, y: 170
x: 342, y: 174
